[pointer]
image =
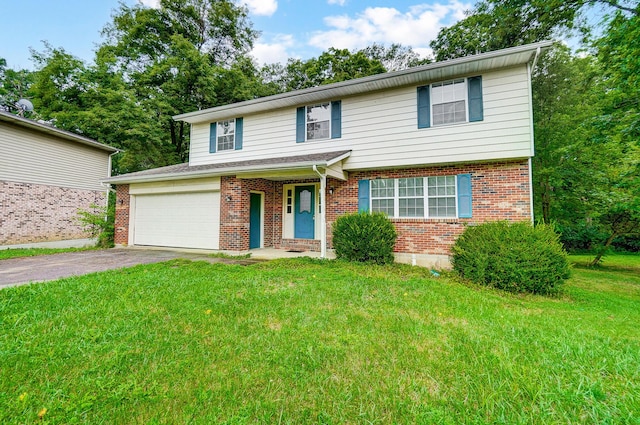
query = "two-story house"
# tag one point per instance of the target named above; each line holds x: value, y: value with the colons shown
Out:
x: 435, y: 147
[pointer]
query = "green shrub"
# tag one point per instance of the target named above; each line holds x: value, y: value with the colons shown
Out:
x: 364, y: 237
x: 515, y: 257
x: 99, y: 222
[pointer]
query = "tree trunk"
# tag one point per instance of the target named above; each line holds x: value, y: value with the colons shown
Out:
x: 602, y: 250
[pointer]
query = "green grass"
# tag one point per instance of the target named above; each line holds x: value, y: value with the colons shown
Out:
x: 6, y: 254
x: 304, y: 341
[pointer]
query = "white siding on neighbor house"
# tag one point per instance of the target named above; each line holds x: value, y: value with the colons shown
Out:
x: 381, y: 130
x: 28, y: 156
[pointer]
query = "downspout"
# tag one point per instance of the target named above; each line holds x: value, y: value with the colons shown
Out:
x: 323, y: 209
x: 530, y: 68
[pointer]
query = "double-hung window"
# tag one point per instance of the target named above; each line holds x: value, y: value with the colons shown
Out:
x: 420, y: 197
x: 450, y: 102
x: 319, y: 122
x: 225, y: 135
x: 441, y: 195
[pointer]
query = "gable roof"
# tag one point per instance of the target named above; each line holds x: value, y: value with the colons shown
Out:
x: 418, y: 75
x: 268, y: 165
x: 48, y: 129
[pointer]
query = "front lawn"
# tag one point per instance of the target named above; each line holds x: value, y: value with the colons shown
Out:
x: 6, y: 254
x: 306, y: 341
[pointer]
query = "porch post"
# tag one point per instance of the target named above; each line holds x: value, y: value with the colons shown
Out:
x: 323, y: 216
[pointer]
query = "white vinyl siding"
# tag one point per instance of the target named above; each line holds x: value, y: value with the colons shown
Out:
x: 28, y: 156
x: 380, y: 129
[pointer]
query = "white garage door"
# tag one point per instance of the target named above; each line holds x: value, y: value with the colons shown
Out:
x: 181, y: 220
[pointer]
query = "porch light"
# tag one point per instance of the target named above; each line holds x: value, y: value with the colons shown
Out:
x: 228, y: 198
x: 331, y: 190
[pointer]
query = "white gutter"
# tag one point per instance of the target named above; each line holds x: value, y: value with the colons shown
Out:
x: 323, y: 209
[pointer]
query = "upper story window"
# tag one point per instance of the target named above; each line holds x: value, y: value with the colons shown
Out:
x: 450, y: 102
x: 225, y: 135
x: 318, y: 122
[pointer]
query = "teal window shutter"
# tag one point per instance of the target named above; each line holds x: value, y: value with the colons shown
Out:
x: 300, y: 124
x: 464, y: 195
x: 238, y: 135
x: 213, y: 141
x: 363, y: 195
x: 336, y: 119
x: 424, y: 107
x: 474, y: 87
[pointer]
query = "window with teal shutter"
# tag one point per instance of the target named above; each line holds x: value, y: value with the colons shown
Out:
x: 363, y: 195
x: 464, y: 196
x: 213, y: 140
x: 300, y: 124
x: 336, y: 119
x: 424, y: 107
x: 238, y: 140
x: 476, y: 110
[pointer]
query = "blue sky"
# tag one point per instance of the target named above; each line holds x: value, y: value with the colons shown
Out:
x: 290, y: 28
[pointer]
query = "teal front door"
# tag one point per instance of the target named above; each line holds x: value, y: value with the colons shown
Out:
x: 255, y: 219
x: 304, y: 223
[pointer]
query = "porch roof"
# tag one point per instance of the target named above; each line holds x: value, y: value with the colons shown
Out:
x: 278, y: 168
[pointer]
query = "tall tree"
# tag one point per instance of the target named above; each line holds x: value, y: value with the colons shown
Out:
x: 565, y: 97
x: 498, y: 24
x: 14, y: 85
x: 176, y: 57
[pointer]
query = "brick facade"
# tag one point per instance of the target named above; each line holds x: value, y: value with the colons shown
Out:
x: 500, y: 191
x: 234, y: 211
x: 31, y: 213
x: 121, y: 236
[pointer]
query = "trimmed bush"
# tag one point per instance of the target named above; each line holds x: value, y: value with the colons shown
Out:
x: 514, y: 257
x: 364, y: 237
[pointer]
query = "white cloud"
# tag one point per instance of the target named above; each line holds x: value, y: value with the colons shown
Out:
x: 338, y: 2
x: 274, y: 51
x: 386, y: 25
x: 262, y: 7
x: 154, y: 4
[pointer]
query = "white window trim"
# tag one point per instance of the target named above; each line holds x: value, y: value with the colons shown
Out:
x: 306, y: 138
x: 466, y: 103
x: 425, y: 196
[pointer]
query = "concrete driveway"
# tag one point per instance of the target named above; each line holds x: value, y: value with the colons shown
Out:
x: 41, y: 268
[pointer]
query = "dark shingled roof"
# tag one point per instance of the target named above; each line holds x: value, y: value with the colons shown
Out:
x: 256, y: 164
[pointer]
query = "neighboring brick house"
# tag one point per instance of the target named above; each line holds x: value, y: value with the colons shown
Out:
x: 436, y: 147
x: 46, y: 175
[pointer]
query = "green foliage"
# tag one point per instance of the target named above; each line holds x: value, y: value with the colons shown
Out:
x: 364, y: 237
x: 99, y: 222
x: 514, y: 257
